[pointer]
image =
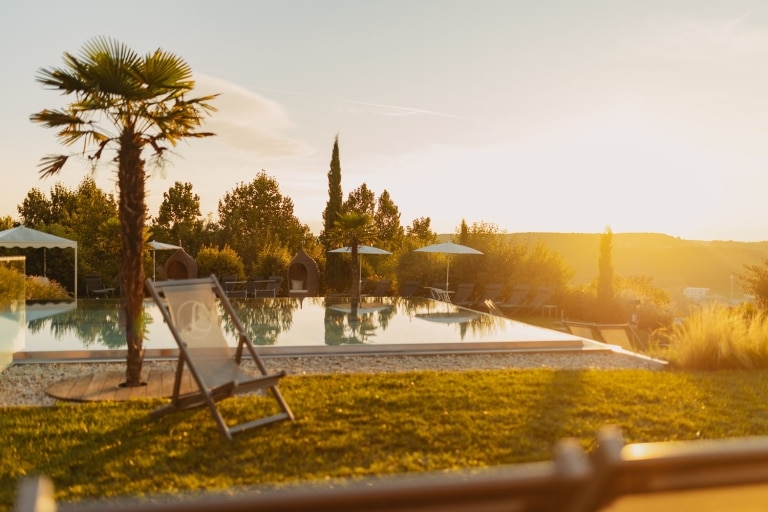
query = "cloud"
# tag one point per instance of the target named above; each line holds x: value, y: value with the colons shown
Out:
x: 248, y: 121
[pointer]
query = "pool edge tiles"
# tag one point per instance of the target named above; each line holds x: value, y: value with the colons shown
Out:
x: 337, y: 350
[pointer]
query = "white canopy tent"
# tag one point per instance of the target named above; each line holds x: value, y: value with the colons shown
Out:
x: 23, y: 237
x: 159, y: 246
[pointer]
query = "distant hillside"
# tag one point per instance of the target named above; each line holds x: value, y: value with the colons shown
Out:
x: 673, y: 263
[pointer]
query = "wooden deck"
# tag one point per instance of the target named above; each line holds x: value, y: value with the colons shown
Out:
x: 105, y: 386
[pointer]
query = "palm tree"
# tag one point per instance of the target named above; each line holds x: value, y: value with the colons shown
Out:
x: 353, y: 230
x: 127, y: 103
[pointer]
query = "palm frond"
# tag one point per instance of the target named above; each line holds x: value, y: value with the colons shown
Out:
x: 165, y: 73
x: 60, y: 79
x: 70, y: 135
x: 115, y: 88
x: 54, y: 118
x: 52, y: 164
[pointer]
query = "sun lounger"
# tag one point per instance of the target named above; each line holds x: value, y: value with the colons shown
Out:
x: 190, y: 308
x: 463, y: 294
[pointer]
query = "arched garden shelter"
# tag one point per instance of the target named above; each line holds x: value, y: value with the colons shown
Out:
x: 23, y: 237
x: 303, y: 276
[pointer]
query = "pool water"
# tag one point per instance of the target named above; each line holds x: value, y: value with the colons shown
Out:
x: 312, y: 325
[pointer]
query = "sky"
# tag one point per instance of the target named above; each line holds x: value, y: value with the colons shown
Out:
x: 553, y: 115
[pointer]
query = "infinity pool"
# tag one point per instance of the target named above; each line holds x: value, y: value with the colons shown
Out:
x: 286, y: 326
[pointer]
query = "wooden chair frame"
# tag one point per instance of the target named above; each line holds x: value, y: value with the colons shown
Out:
x: 216, y: 371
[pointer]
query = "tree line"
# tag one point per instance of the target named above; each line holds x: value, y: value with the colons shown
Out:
x: 257, y: 234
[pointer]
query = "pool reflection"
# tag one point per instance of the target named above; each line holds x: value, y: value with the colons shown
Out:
x: 292, y: 322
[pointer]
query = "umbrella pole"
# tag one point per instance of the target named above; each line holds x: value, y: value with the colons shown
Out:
x: 154, y: 266
x: 447, y: 269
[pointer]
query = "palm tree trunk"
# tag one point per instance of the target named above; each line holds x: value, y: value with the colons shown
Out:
x: 132, y: 213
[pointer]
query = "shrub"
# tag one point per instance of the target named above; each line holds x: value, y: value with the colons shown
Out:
x: 42, y: 288
x: 273, y: 261
x: 212, y: 260
x: 11, y: 285
x: 717, y: 337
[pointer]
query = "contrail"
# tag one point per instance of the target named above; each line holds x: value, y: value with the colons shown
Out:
x: 394, y: 109
x: 408, y: 111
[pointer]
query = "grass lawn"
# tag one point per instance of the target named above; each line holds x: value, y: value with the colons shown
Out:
x: 360, y: 425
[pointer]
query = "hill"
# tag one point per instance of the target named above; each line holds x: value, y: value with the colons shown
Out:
x: 672, y: 263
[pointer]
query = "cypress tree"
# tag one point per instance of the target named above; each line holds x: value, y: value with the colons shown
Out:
x: 606, y: 309
x: 334, y: 274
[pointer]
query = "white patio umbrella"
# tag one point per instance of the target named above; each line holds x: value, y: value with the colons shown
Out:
x: 362, y: 309
x: 448, y: 248
x: 361, y: 249
x: 455, y: 317
x: 159, y: 246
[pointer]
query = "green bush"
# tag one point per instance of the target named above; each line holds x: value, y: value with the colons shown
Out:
x: 273, y: 261
x: 42, y: 288
x: 11, y: 285
x: 221, y: 262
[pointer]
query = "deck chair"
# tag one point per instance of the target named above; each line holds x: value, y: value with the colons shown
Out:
x: 267, y: 287
x: 382, y: 288
x: 490, y: 292
x: 274, y: 286
x: 232, y: 287
x: 493, y: 309
x: 618, y: 334
x: 582, y: 330
x: 190, y: 308
x: 94, y: 287
x: 516, y: 298
x: 409, y: 288
x: 463, y: 294
x: 350, y: 290
x: 254, y: 284
x: 539, y: 299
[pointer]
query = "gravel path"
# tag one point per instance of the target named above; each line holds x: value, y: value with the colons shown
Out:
x: 25, y: 384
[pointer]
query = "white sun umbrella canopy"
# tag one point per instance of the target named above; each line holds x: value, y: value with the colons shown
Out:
x: 159, y: 246
x: 456, y: 317
x: 448, y: 248
x: 361, y: 249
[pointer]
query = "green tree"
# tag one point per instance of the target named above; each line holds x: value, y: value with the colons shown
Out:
x: 256, y: 216
x: 35, y: 210
x: 335, y: 196
x: 387, y: 220
x: 605, y: 295
x: 353, y: 230
x: 179, y: 220
x: 334, y: 268
x: 410, y: 265
x: 94, y: 222
x: 129, y: 103
x: 391, y: 234
x: 82, y: 214
x: 754, y: 281
x: 463, y: 233
x: 421, y: 232
x: 362, y: 200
